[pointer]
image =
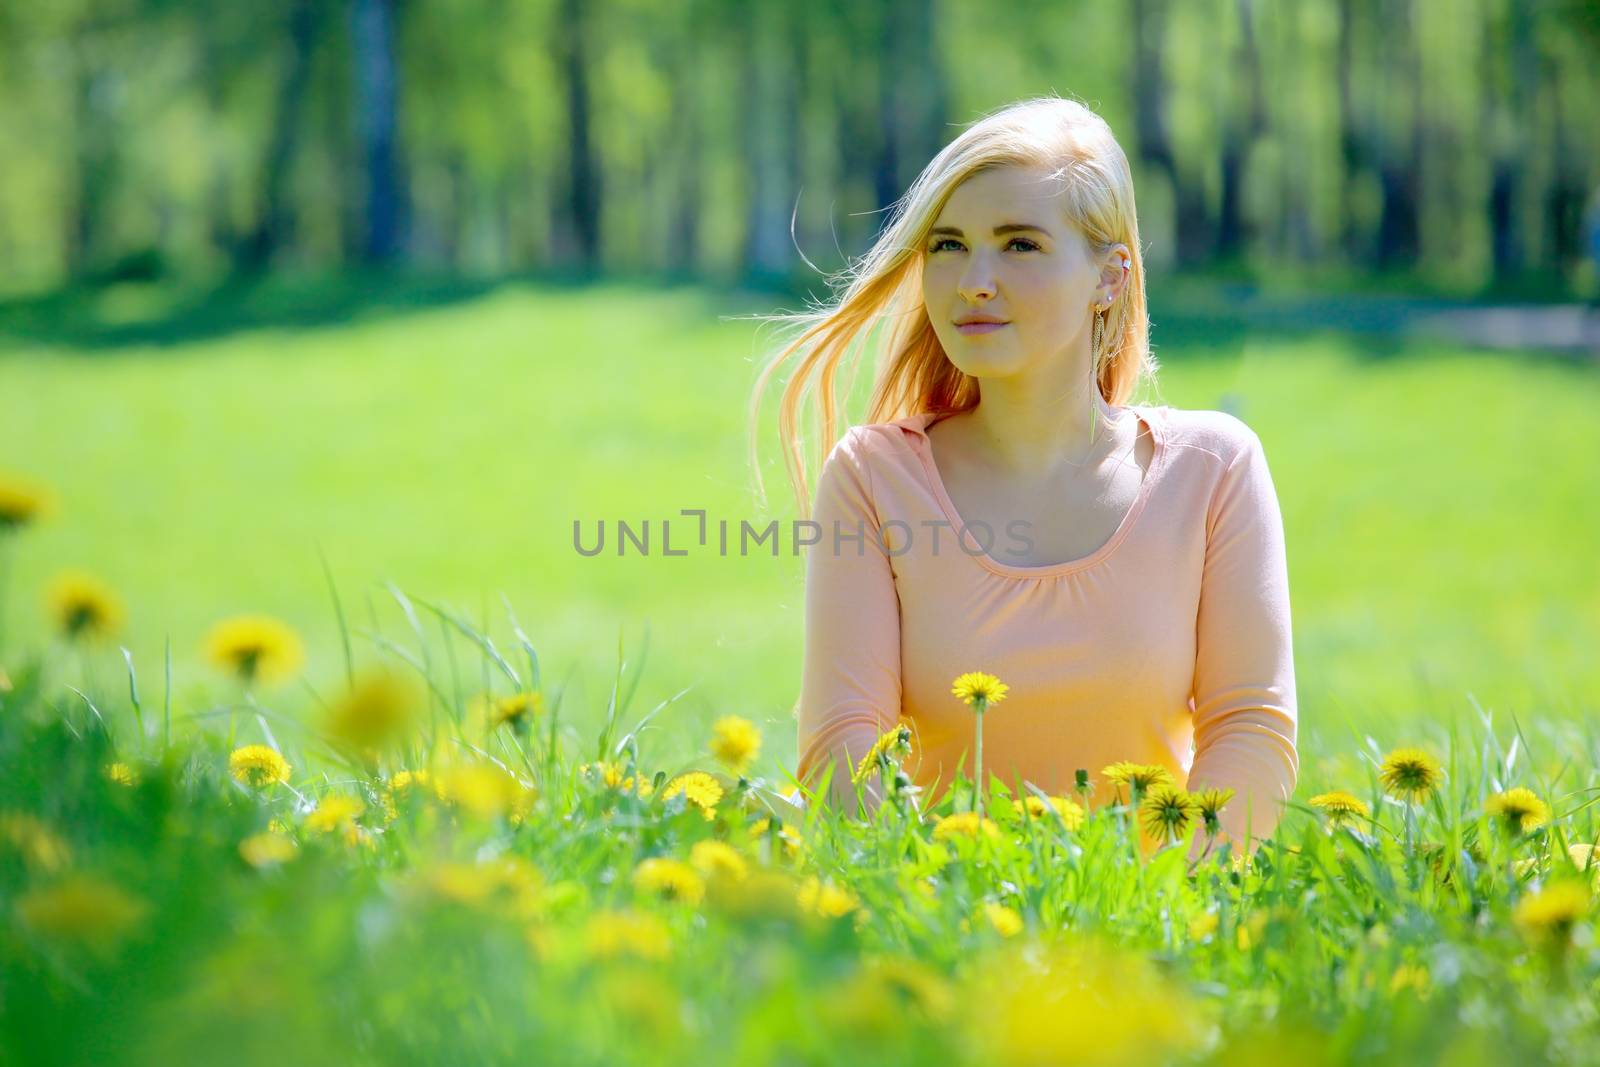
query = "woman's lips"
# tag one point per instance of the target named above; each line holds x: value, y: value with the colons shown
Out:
x: 980, y: 327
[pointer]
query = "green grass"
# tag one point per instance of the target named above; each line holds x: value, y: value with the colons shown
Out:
x: 1440, y: 509
x: 1440, y: 505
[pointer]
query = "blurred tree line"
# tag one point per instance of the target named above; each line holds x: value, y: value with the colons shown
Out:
x: 1457, y: 141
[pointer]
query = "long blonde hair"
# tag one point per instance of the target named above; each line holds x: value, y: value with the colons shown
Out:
x: 885, y: 285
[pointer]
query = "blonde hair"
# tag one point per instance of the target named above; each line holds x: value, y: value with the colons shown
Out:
x: 885, y: 285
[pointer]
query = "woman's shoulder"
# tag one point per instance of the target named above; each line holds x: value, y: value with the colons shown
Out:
x: 869, y: 440
x: 1222, y: 434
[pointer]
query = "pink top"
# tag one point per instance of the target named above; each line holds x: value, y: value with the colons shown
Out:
x: 1169, y: 644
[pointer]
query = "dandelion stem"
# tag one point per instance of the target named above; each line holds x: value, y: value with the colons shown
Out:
x: 978, y: 707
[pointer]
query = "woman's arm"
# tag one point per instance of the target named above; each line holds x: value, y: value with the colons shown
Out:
x: 850, y: 684
x: 1245, y: 718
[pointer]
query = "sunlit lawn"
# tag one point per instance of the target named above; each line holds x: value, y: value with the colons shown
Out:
x: 1441, y: 506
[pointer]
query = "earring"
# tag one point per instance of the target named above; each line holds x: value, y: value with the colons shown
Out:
x: 1096, y: 338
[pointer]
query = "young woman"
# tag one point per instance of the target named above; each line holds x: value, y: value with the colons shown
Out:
x: 1006, y: 509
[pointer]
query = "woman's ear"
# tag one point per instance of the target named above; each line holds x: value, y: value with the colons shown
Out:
x: 1115, y: 269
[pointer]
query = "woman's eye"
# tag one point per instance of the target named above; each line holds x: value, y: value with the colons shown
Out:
x: 939, y: 244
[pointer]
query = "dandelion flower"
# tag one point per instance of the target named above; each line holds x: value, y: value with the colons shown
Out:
x: 735, y: 742
x: 1519, y: 810
x: 1550, y: 913
x: 267, y: 849
x: 964, y: 824
x: 717, y: 859
x: 793, y: 844
x: 609, y: 934
x: 1210, y: 803
x: 892, y: 745
x: 670, y: 879
x: 1139, y: 777
x: 20, y: 503
x: 38, y: 845
x: 701, y: 789
x: 1412, y: 976
x: 1070, y: 812
x: 82, y: 908
x: 376, y: 709
x: 403, y: 785
x: 977, y: 688
x: 1410, y: 774
x: 1203, y: 925
x: 506, y: 884
x: 1007, y: 922
x: 518, y: 710
x: 1341, y: 808
x: 482, y: 790
x: 823, y: 898
x: 121, y: 774
x: 1167, y: 811
x: 611, y: 774
x: 255, y: 648
x: 83, y: 606
x: 337, y: 811
x: 258, y: 766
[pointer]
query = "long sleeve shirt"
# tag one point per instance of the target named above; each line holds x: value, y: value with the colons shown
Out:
x: 1170, y: 644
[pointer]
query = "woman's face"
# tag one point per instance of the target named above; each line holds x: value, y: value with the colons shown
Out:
x: 1001, y: 249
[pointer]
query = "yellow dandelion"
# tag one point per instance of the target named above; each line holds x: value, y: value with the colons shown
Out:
x: 764, y: 893
x: 83, y: 909
x: 1550, y: 914
x: 979, y: 690
x: 1412, y: 976
x: 82, y: 606
x: 255, y: 648
x: 121, y: 774
x: 39, y: 846
x: 717, y: 859
x: 818, y: 897
x: 891, y: 746
x: 517, y: 710
x: 336, y: 811
x: 613, y: 775
x: 507, y: 885
x: 701, y: 789
x: 267, y: 849
x: 1140, y: 778
x: 670, y: 879
x: 965, y: 824
x: 1410, y: 774
x: 522, y: 805
x: 735, y: 743
x: 482, y: 790
x: 1210, y: 803
x: 375, y: 710
x: 1518, y: 809
x: 1069, y: 811
x: 1203, y: 925
x: 1007, y: 922
x: 793, y: 844
x: 21, y: 502
x: 1166, y: 812
x: 610, y: 934
x: 1341, y: 808
x: 403, y: 787
x: 258, y: 766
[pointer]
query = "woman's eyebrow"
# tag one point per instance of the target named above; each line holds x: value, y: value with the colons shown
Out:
x: 1004, y: 227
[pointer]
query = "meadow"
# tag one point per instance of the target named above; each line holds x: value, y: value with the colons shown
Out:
x: 506, y: 799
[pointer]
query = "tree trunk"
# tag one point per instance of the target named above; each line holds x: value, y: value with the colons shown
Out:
x: 377, y: 124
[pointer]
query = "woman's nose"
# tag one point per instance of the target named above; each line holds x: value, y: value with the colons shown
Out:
x: 977, y: 282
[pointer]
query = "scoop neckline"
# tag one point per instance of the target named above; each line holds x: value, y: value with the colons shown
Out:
x: 920, y: 422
